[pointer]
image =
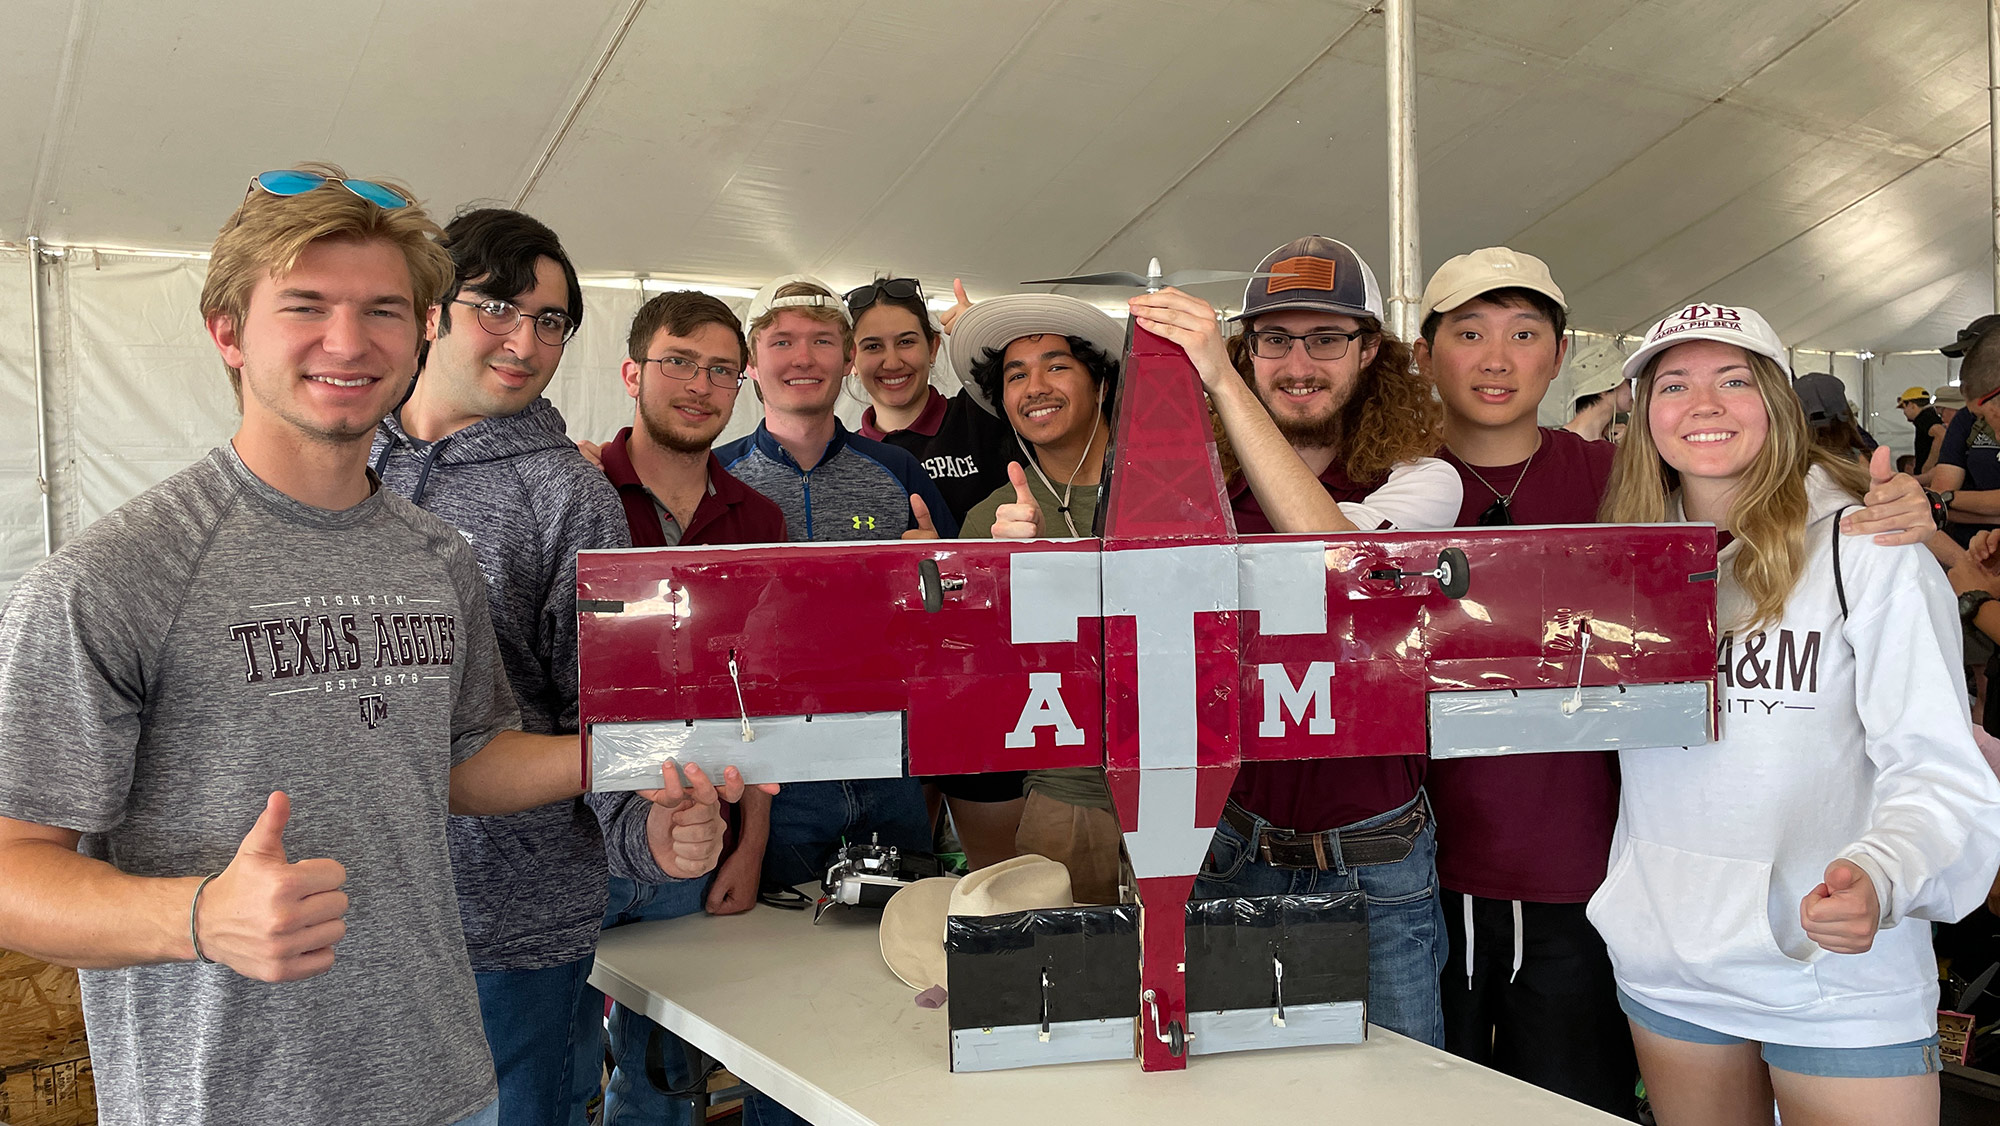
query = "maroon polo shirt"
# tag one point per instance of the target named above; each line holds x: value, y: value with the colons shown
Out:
x: 1313, y: 795
x: 731, y: 512
x: 1532, y: 827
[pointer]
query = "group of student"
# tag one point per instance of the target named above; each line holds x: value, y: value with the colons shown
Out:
x: 349, y: 635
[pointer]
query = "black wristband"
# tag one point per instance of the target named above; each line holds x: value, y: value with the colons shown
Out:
x: 1940, y: 510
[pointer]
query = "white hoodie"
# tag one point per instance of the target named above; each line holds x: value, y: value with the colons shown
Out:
x: 1841, y: 737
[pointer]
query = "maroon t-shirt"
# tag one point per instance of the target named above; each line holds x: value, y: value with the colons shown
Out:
x: 1313, y: 795
x: 1533, y: 827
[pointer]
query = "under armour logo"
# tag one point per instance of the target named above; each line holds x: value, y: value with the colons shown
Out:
x: 864, y: 523
x: 374, y: 709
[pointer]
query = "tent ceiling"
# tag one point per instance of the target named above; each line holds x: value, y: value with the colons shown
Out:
x: 1823, y: 160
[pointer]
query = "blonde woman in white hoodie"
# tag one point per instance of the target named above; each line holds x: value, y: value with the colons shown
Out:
x: 1766, y: 897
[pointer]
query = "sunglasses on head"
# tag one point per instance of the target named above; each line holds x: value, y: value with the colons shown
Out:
x: 900, y: 289
x: 1986, y: 398
x: 292, y: 181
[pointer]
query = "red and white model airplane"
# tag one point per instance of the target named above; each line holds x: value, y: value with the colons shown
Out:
x: 1169, y: 651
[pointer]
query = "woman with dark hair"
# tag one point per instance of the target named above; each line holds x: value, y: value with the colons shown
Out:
x: 1764, y: 903
x: 965, y: 450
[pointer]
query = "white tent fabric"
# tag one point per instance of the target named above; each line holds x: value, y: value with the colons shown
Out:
x: 1824, y: 161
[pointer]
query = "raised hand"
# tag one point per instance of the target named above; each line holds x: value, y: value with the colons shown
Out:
x: 1021, y: 520
x: 1843, y: 913
x: 950, y: 316
x: 921, y: 513
x: 1898, y: 512
x: 268, y: 918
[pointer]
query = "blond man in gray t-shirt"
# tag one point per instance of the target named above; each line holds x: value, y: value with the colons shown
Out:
x: 264, y: 658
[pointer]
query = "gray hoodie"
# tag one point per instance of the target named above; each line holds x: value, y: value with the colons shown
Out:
x: 531, y: 885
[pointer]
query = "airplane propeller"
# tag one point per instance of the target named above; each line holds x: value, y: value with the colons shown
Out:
x: 1152, y: 281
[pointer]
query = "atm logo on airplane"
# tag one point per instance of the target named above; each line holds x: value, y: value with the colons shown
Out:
x: 1308, y: 703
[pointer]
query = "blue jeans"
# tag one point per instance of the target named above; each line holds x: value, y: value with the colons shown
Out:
x: 809, y: 820
x: 1886, y: 1061
x: 1406, y: 935
x: 541, y: 1028
x: 488, y: 1117
x: 644, y: 1054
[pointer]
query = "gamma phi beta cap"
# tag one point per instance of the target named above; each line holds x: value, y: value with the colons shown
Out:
x: 1316, y: 273
x: 1730, y: 324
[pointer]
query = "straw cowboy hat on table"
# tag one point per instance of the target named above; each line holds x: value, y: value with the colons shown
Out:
x: 913, y: 921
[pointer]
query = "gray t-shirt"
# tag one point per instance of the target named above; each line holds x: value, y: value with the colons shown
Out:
x: 209, y: 642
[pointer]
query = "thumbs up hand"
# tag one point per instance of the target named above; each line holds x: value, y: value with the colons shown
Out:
x: 268, y: 918
x: 921, y: 513
x: 950, y: 316
x: 1843, y: 913
x: 1021, y: 520
x: 1898, y: 510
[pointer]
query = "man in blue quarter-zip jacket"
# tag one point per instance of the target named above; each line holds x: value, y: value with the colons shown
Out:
x: 832, y: 485
x: 477, y: 445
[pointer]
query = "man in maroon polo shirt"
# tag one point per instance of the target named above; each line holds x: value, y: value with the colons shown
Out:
x: 1522, y: 840
x: 1333, y: 433
x: 685, y: 359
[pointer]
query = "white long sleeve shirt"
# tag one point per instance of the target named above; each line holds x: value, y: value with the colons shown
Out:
x: 1842, y: 736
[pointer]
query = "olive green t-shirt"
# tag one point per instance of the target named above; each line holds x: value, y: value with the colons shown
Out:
x: 1076, y: 785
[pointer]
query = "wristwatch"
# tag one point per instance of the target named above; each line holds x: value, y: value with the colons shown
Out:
x: 1970, y: 602
x: 1940, y: 506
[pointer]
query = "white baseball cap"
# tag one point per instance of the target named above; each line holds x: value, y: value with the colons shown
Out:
x: 765, y: 301
x: 1730, y: 324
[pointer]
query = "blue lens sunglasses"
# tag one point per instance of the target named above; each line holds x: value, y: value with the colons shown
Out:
x: 291, y: 181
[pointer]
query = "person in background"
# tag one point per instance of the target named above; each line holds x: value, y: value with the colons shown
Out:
x: 1766, y: 896
x: 964, y: 449
x: 1830, y: 417
x: 1048, y: 363
x: 1602, y: 400
x: 684, y: 362
x: 1928, y: 424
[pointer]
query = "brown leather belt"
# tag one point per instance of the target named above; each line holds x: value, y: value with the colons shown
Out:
x: 1356, y: 848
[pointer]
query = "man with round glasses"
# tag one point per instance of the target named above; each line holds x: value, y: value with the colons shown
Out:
x: 1333, y: 432
x: 684, y: 367
x: 477, y: 445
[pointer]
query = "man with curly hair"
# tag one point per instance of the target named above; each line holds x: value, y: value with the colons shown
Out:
x: 1327, y: 429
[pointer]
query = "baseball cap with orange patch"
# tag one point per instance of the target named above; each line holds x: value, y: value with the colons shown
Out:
x: 1314, y: 272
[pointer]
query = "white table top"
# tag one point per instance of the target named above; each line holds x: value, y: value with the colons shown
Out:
x: 812, y: 1017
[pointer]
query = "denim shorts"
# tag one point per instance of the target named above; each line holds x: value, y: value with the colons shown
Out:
x: 1888, y: 1061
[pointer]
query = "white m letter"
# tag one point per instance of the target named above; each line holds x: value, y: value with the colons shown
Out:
x: 1045, y: 708
x: 1314, y: 691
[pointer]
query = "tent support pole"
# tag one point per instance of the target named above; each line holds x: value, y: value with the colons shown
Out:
x: 1405, y: 256
x: 41, y: 399
x: 1993, y: 129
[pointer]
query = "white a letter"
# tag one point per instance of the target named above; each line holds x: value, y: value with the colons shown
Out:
x: 1045, y: 708
x: 1314, y: 691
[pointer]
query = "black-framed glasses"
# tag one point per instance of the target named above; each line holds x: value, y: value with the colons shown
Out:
x: 1267, y: 344
x: 501, y: 318
x: 680, y: 367
x: 1496, y: 514
x: 901, y: 289
x: 293, y: 181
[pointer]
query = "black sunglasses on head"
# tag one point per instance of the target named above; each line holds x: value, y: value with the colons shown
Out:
x: 901, y: 289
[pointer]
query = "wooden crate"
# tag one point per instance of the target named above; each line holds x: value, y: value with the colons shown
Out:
x: 45, y: 1076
